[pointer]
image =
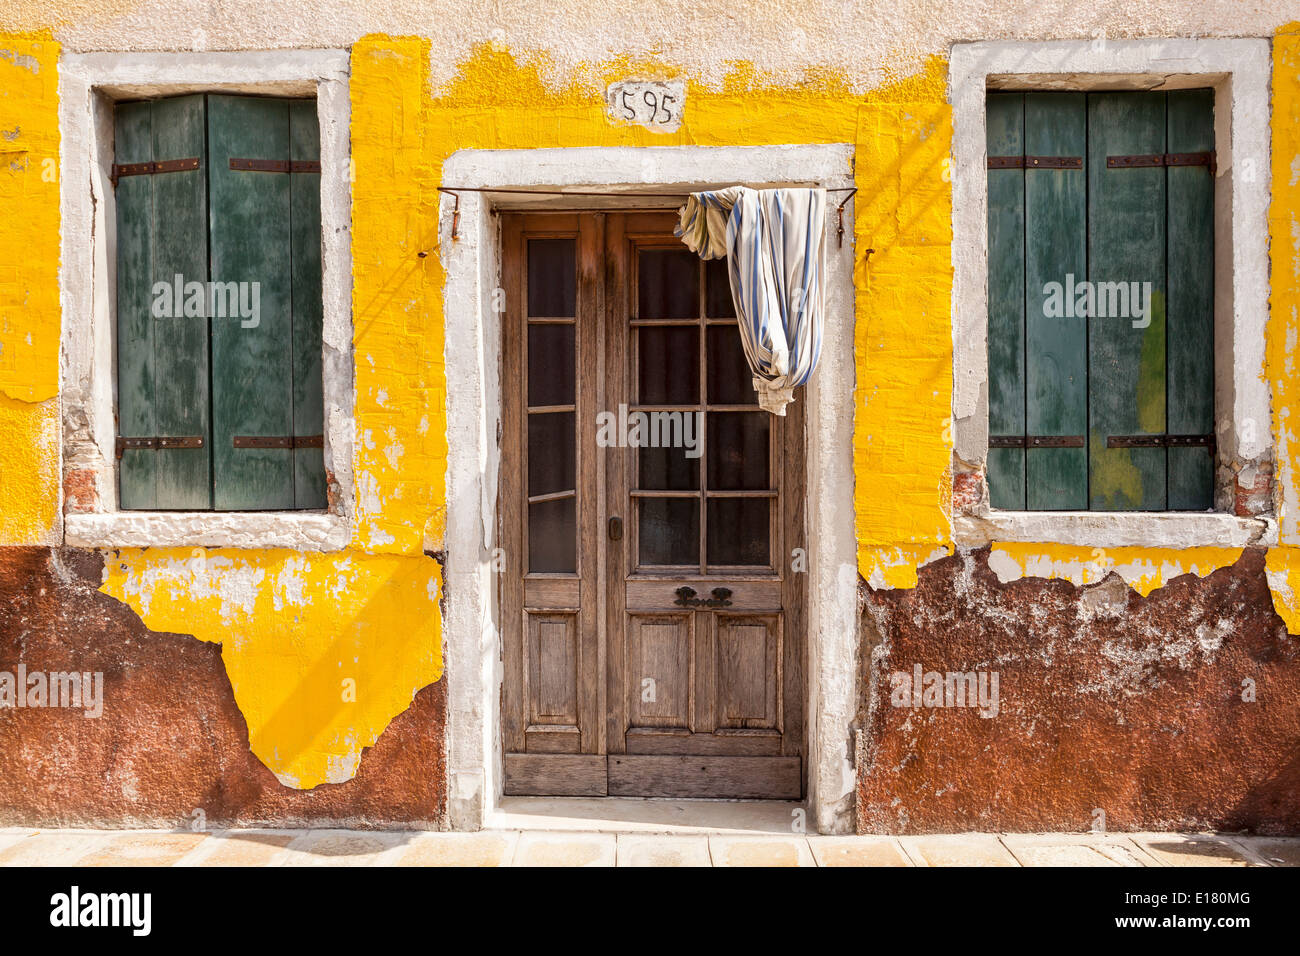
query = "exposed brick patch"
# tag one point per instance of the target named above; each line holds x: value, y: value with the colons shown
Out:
x: 967, y: 491
x: 80, y: 492
x: 1107, y: 701
x: 1255, y: 498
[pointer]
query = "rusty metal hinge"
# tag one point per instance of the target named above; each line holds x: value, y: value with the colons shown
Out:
x: 1035, y: 162
x: 1035, y: 441
x: 278, y: 441
x: 1139, y: 160
x: 157, y: 442
x: 149, y: 168
x: 1160, y: 441
x: 276, y: 165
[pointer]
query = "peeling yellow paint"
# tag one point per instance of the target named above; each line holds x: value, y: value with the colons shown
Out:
x: 29, y: 289
x: 1143, y: 569
x: 897, y: 567
x: 1284, y: 250
x: 322, y: 650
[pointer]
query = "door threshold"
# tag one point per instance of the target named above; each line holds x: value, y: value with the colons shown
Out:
x: 647, y: 815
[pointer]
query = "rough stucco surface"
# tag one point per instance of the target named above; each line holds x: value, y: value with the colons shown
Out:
x: 1107, y: 700
x: 171, y: 739
x: 256, y: 686
x: 866, y: 39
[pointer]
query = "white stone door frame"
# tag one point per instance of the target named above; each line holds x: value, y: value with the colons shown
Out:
x: 471, y: 261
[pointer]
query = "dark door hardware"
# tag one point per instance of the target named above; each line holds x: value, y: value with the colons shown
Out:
x: 155, y: 443
x: 1035, y: 162
x: 686, y: 598
x: 1036, y: 441
x: 148, y: 169
x: 276, y: 165
x: 1162, y: 159
x: 1160, y: 441
x: 278, y: 441
x: 615, y: 529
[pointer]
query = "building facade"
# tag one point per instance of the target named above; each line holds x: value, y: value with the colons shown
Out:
x: 308, y: 319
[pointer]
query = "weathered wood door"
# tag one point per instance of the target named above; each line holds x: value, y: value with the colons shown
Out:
x: 652, y: 521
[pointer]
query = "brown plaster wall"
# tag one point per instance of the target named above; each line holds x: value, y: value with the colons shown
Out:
x: 170, y: 740
x: 1108, y: 701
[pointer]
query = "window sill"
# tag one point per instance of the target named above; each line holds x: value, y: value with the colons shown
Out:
x: 304, y: 531
x: 1116, y: 529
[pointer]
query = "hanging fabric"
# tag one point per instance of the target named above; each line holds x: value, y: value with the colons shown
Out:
x: 773, y: 241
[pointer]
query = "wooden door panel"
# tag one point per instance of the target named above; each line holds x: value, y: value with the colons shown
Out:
x: 659, y: 670
x: 551, y: 684
x: 687, y: 777
x: 555, y: 775
x: 747, y: 672
x: 667, y: 661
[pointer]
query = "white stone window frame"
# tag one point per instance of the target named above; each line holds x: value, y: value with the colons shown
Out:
x: 1239, y: 72
x: 89, y: 85
x: 473, y: 334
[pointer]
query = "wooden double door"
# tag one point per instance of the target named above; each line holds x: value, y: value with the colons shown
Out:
x: 651, y: 525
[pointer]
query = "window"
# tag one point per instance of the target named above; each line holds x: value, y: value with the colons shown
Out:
x: 1101, y: 300
x: 219, y: 304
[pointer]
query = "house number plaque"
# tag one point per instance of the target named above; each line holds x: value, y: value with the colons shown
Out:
x: 655, y: 104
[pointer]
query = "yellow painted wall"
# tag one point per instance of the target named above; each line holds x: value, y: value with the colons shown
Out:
x: 294, y: 628
x: 29, y: 289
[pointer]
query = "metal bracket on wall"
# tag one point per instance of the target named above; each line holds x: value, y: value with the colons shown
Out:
x: 1035, y: 162
x: 1160, y: 441
x: 276, y: 165
x: 156, y: 443
x: 148, y: 169
x: 278, y: 441
x: 1036, y: 441
x: 1139, y: 160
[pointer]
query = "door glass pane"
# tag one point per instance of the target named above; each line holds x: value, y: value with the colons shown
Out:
x: 718, y: 303
x: 730, y: 380
x: 551, y: 373
x: 551, y: 455
x: 669, y: 364
x: 668, y: 469
x: 738, y: 451
x: 553, y: 535
x: 738, y: 531
x: 552, y: 278
x: 668, y: 284
x: 669, y: 531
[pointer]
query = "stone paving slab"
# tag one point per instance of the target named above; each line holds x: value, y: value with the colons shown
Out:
x: 766, y: 850
x: 324, y: 847
x: 654, y: 850
x: 962, y: 849
x: 1197, y: 850
x: 858, y: 851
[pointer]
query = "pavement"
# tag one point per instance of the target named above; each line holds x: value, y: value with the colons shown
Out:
x: 640, y: 847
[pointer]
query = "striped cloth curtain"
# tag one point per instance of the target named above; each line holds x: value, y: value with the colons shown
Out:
x: 773, y: 241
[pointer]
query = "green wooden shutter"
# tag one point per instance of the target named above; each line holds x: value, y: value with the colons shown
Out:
x: 254, y: 240
x: 1056, y: 231
x: 1137, y: 392
x: 162, y: 360
x: 1190, y: 320
x: 305, y: 256
x: 1126, y: 243
x: 1006, y: 290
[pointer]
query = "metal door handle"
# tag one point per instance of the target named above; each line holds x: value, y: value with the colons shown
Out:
x: 615, y: 529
